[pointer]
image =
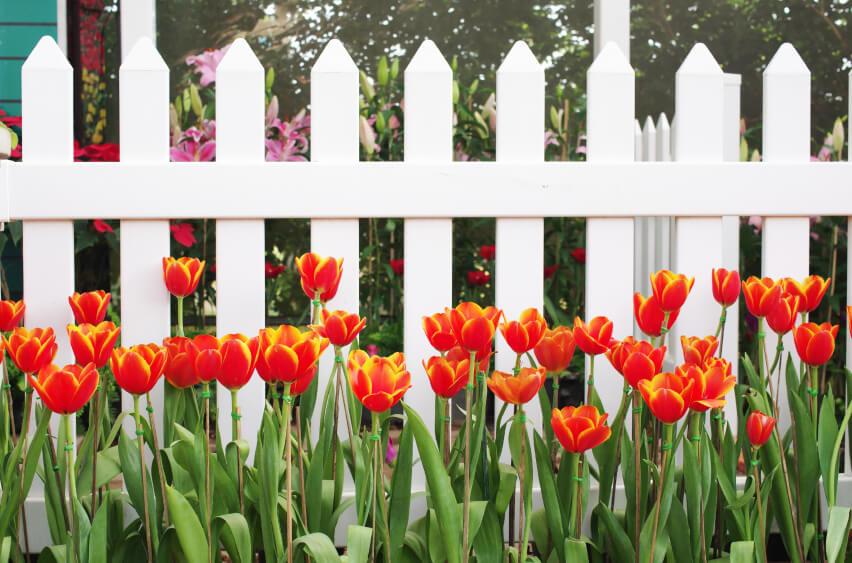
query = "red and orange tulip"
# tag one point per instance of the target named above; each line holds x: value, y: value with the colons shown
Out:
x: 810, y: 291
x: 180, y: 364
x: 594, y: 338
x: 289, y: 355
x: 482, y: 358
x: 339, y: 327
x: 474, y: 326
x: 636, y: 360
x: 447, y: 377
x: 761, y: 295
x: 782, y: 318
x: 93, y: 343
x: 517, y: 389
x: 698, y: 350
x: 710, y: 384
x: 138, y: 368
x: 815, y: 343
x: 378, y: 382
x: 239, y: 355
x: 670, y: 289
x: 439, y: 332
x: 11, y: 313
x: 726, y: 286
x: 31, y: 350
x: 320, y: 276
x: 580, y: 429
x: 182, y: 274
x: 667, y: 395
x: 649, y: 315
x: 759, y: 428
x: 65, y: 390
x: 556, y: 349
x: 89, y: 307
x: 524, y: 334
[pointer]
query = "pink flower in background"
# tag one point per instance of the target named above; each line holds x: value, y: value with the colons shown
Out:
x: 10, y: 120
x: 391, y: 453
x: 756, y: 221
x: 550, y: 270
x: 579, y: 254
x: 286, y: 140
x: 183, y: 233
x: 205, y: 64
x: 550, y: 138
x: 101, y: 227
x: 196, y: 145
x: 372, y: 350
x: 581, y: 145
x: 487, y: 251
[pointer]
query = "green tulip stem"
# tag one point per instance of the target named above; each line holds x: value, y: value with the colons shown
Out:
x: 579, y: 522
x: 235, y: 435
x: 467, y: 429
x: 813, y: 378
x: 25, y: 426
x: 444, y: 429
x: 570, y: 459
x: 524, y: 519
x: 720, y: 328
x: 157, y: 457
x: 206, y: 394
x: 139, y: 434
x: 779, y: 349
x: 664, y: 329
x: 300, y: 455
x: 72, y: 484
x: 591, y: 381
x: 180, y: 316
x: 7, y: 389
x: 760, y: 363
x: 754, y: 465
x: 285, y: 435
x: 667, y: 445
x: 637, y: 466
x: 96, y: 419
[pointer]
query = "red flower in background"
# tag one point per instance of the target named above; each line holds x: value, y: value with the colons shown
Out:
x: 579, y: 254
x: 271, y: 271
x: 487, y: 252
x: 183, y: 233
x: 101, y: 227
x: 478, y: 277
x: 397, y: 266
x: 550, y: 270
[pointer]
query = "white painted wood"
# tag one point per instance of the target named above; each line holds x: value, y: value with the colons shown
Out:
x: 731, y: 223
x: 664, y: 139
x: 428, y: 252
x: 334, y: 138
x: 612, y: 24
x: 609, y: 242
x: 649, y: 140
x: 240, y: 280
x: 519, y: 260
x: 637, y: 141
x: 663, y: 226
x: 48, y: 246
x: 144, y: 139
x: 786, y: 138
x: 62, y: 25
x: 138, y: 19
x: 645, y: 261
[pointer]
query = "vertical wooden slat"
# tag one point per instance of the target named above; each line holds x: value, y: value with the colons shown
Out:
x: 786, y: 138
x: 664, y: 139
x: 845, y: 329
x: 48, y: 246
x: 612, y: 24
x: 138, y: 20
x: 644, y: 241
x: 663, y: 226
x: 731, y: 223
x: 637, y: 141
x: 144, y: 138
x: 240, y: 281
x: 609, y: 242
x: 428, y: 252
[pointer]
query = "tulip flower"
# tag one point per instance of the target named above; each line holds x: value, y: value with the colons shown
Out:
x: 439, y: 332
x: 698, y: 350
x: 138, y: 368
x: 849, y: 317
x: 761, y: 295
x: 580, y: 429
x: 517, y: 389
x: 65, y: 390
x: 288, y: 355
x: 182, y: 274
x: 667, y: 395
x: 524, y: 334
x: 556, y: 349
x: 478, y: 277
x: 11, y: 313
x: 759, y: 428
x: 474, y: 326
x: 239, y: 354
x: 649, y: 315
x: 447, y: 377
x: 482, y: 357
x: 815, y: 343
x: 594, y: 338
x: 487, y: 251
x: 180, y: 365
x: 378, y: 382
x: 782, y: 318
x: 93, y: 343
x: 339, y: 327
x: 710, y: 385
x: 726, y: 286
x: 810, y: 291
x: 89, y: 307
x: 636, y: 360
x: 670, y: 289
x: 31, y: 350
x: 320, y: 276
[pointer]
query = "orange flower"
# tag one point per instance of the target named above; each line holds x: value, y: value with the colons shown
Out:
x: 761, y: 295
x: 649, y: 316
x: 594, y: 338
x: 447, y: 377
x: 89, y: 307
x: 482, y: 358
x: 93, y: 343
x: 636, y: 360
x: 378, y: 382
x: 726, y: 286
x: 556, y: 349
x: 524, y: 334
x: 180, y: 365
x: 207, y: 357
x: 320, y: 276
x: 339, y: 327
x: 288, y: 355
x: 239, y: 354
x: 782, y: 317
x: 474, y: 326
x: 11, y: 313
x: 182, y: 275
x: 810, y: 291
x: 849, y: 317
x: 517, y: 389
x: 31, y: 350
x: 137, y: 369
x: 710, y: 385
x: 580, y: 429
x: 815, y: 343
x: 66, y: 390
x: 698, y: 350
x: 439, y: 332
x: 759, y: 428
x: 667, y: 395
x: 670, y: 289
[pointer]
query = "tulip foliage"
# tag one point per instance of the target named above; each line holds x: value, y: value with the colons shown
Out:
x: 696, y: 486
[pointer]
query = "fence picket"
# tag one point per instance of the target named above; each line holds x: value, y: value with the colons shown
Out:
x: 731, y: 223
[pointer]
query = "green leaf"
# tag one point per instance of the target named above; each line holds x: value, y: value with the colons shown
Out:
x: 680, y: 532
x: 827, y: 431
x: 233, y: 530
x: 488, y: 541
x: 576, y: 551
x: 191, y: 536
x: 128, y: 452
x: 98, y: 536
x: 319, y: 547
x: 358, y: 544
x: 831, y: 480
x: 549, y: 494
x: 742, y: 552
x: 621, y: 544
x: 837, y: 534
x: 400, y: 499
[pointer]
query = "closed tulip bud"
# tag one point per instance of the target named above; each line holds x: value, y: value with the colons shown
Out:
x: 180, y: 364
x: 239, y: 355
x: 289, y: 355
x: 667, y: 395
x: 378, y: 382
x: 11, y: 313
x: 698, y: 350
x: 670, y: 289
x: 31, y: 350
x: 65, y: 390
x: 439, y: 332
x: 815, y: 343
x: 580, y: 429
x: 474, y: 326
x: 339, y: 327
x: 320, y: 276
x: 810, y: 292
x: 649, y: 315
x: 517, y: 389
x: 93, y: 343
x: 182, y: 275
x: 556, y: 349
x: 89, y: 307
x: 759, y: 428
x: 761, y: 295
x: 726, y: 286
x: 447, y: 377
x: 137, y: 369
x: 783, y: 317
x: 524, y: 334
x: 594, y: 338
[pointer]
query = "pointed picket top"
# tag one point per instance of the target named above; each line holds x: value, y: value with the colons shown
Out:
x: 637, y: 128
x: 649, y: 125
x: 428, y: 59
x: 611, y: 60
x: 786, y: 60
x: 699, y: 61
x: 239, y: 57
x: 46, y: 55
x: 334, y: 59
x: 520, y: 60
x: 663, y: 123
x: 144, y: 56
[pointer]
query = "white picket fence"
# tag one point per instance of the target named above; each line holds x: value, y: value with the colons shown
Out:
x: 698, y: 190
